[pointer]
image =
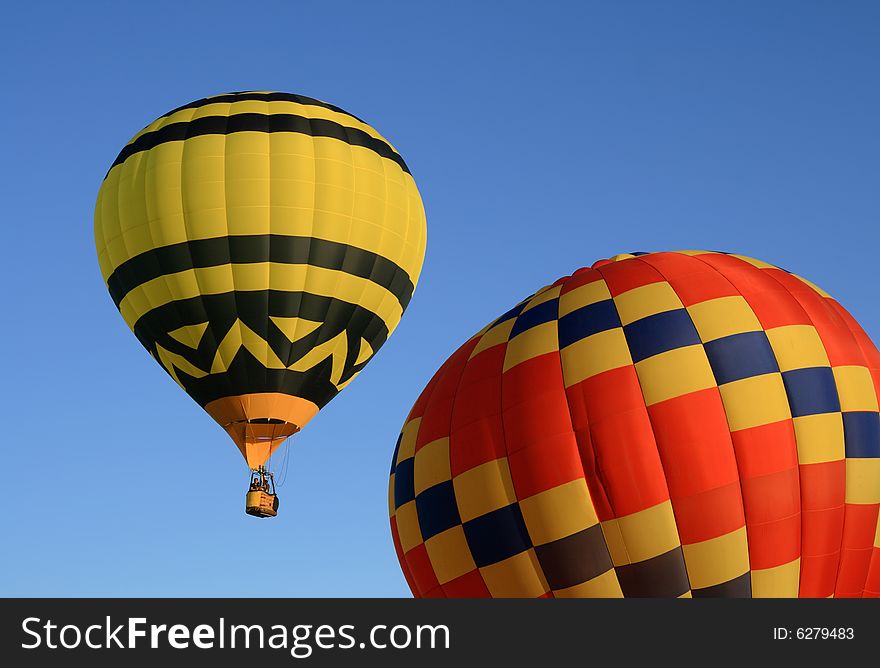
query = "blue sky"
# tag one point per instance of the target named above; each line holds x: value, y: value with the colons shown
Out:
x: 542, y: 136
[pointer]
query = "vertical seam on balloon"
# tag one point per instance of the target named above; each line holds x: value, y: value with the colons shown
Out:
x: 875, y: 554
x: 819, y: 334
x: 143, y: 165
x: 329, y: 303
x: 613, y: 569
x: 721, y: 399
x: 228, y: 375
x: 730, y: 280
x: 846, y: 327
x: 209, y: 333
x: 353, y: 348
x: 451, y: 417
x: 269, y: 349
x: 659, y: 454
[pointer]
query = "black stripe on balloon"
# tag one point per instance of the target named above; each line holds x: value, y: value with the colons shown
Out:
x: 225, y: 125
x: 247, y: 375
x: 217, y: 251
x: 739, y: 587
x: 229, y: 98
x: 663, y: 576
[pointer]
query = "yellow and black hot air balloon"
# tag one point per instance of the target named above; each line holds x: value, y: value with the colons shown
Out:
x: 262, y: 246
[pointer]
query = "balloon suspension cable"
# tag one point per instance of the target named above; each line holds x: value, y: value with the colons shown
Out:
x: 285, y: 461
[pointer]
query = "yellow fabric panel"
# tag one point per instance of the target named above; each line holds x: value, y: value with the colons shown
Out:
x: 863, y: 480
x: 584, y: 295
x: 642, y: 535
x: 777, y: 582
x: 646, y: 300
x: 693, y: 252
x: 241, y: 336
x: 717, y: 560
x: 531, y: 343
x: 674, y: 373
x: 408, y: 439
x: 877, y: 536
x: 408, y: 526
x: 431, y: 465
x: 493, y: 337
x: 391, y: 507
x: 519, y: 576
x: 716, y: 318
x: 365, y: 352
x: 605, y: 585
x: 558, y: 512
x: 797, y: 347
x: 295, y: 328
x: 484, y: 488
x: 855, y: 387
x: 687, y: 594
x: 336, y: 348
x: 172, y: 361
x: 449, y: 554
x: 262, y: 276
x: 189, y: 335
x: 256, y: 183
x: 594, y: 354
x: 750, y: 402
x: 542, y: 296
x: 819, y: 438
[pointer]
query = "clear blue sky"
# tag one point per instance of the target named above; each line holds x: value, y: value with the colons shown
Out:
x: 542, y: 136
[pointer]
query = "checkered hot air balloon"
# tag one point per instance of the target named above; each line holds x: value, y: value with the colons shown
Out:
x: 262, y: 246
x: 668, y: 424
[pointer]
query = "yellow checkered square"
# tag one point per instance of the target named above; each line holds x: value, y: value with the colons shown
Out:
x: 717, y: 318
x: 408, y: 526
x: 819, y: 438
x: 431, y: 465
x: 717, y: 560
x: 484, y: 488
x: 449, y: 554
x: 777, y: 582
x: 558, y: 512
x: 391, y: 496
x: 584, y: 295
x: 863, y: 480
x: 797, y: 347
x: 855, y: 387
x: 495, y: 336
x: 594, y: 354
x: 531, y: 343
x: 646, y: 300
x: 545, y: 294
x: 408, y: 439
x: 642, y: 535
x: 519, y: 576
x: 674, y: 373
x: 754, y: 401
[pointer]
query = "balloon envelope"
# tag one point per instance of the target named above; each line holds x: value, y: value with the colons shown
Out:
x: 669, y: 424
x: 262, y: 246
